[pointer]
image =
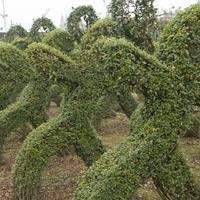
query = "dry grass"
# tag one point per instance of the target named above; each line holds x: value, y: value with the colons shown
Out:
x: 60, y: 178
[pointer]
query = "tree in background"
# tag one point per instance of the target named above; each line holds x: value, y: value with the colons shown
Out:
x: 136, y: 19
x: 14, y: 32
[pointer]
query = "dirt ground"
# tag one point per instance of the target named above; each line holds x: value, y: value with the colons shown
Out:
x: 60, y: 178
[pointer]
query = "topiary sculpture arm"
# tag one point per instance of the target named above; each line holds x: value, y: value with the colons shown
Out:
x: 31, y: 107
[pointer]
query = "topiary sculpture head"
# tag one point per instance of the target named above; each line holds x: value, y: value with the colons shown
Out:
x: 60, y: 40
x: 50, y: 64
x: 41, y: 23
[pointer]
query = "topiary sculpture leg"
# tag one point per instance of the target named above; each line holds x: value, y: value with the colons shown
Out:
x: 127, y: 103
x: 169, y: 179
x: 31, y: 107
x: 118, y: 173
x: 105, y: 104
x: 72, y: 127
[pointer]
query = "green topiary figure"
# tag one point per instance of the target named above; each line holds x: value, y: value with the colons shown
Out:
x: 71, y: 127
x: 40, y: 27
x: 151, y: 151
x: 14, y: 32
x: 15, y: 73
x: 75, y: 26
x: 60, y: 40
x: 119, y: 172
x: 179, y: 46
x: 22, y: 43
x: 34, y: 100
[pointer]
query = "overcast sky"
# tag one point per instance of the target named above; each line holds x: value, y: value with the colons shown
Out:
x: 24, y: 11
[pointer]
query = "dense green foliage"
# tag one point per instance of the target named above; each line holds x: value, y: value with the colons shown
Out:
x: 85, y: 13
x: 31, y: 107
x: 108, y: 28
x: 152, y: 149
x: 34, y: 100
x: 40, y: 27
x: 60, y: 40
x: 179, y: 46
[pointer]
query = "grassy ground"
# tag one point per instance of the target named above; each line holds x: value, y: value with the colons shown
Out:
x: 60, y: 177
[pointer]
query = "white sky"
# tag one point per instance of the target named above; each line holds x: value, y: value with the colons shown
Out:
x: 24, y: 11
